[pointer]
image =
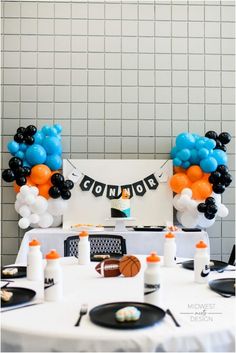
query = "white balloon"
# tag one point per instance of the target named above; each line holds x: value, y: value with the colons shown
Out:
x: 34, y: 218
x: 24, y: 190
x: 40, y: 205
x: 189, y: 220
x: 18, y: 204
x: 57, y: 220
x: 24, y: 223
x: 30, y: 199
x: 56, y: 207
x: 187, y: 191
x: 217, y: 198
x: 45, y: 220
x: 24, y: 211
x: 192, y: 205
x: 184, y: 200
x: 34, y: 190
x: 204, y: 222
x: 178, y: 216
x: 19, y: 196
x: 222, y: 211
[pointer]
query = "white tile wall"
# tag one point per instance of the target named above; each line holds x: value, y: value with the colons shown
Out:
x: 122, y: 78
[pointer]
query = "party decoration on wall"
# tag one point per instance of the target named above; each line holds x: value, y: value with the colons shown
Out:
x: 33, y: 169
x: 201, y: 175
x: 113, y: 191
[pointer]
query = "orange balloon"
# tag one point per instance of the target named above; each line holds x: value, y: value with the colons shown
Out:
x: 206, y: 176
x: 195, y: 173
x: 179, y: 170
x: 179, y: 181
x: 17, y: 187
x: 43, y: 190
x: 201, y: 189
x: 40, y: 174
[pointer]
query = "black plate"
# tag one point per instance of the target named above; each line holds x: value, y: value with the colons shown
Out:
x: 21, y: 272
x: 191, y: 230
x: 104, y: 315
x: 20, y: 296
x: 223, y: 285
x: 218, y: 265
x: 149, y: 229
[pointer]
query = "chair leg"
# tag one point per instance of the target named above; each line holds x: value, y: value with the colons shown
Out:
x: 232, y: 257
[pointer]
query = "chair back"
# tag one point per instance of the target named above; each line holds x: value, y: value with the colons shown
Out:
x: 114, y: 245
x: 232, y: 257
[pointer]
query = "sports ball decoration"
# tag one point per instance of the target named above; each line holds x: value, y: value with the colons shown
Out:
x: 108, y: 268
x: 201, y: 175
x: 128, y: 266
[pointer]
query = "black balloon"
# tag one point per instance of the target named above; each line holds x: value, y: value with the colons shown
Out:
x: 222, y: 169
x: 218, y: 144
x: 29, y: 140
x: 27, y: 171
x: 226, y: 179
x: 211, y: 135
x: 30, y: 130
x: 19, y: 172
x: 209, y: 215
x: 215, y: 177
x: 224, y: 138
x: 218, y: 188
x: 57, y: 179
x: 223, y: 148
x: 54, y: 192
x: 21, y: 181
x: 65, y: 194
x: 201, y: 207
x: 8, y: 175
x: 210, y: 201
x: 20, y: 130
x: 14, y: 163
x: 211, y: 209
x: 68, y: 184
x: 19, y: 138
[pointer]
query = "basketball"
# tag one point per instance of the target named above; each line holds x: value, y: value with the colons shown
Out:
x: 129, y: 265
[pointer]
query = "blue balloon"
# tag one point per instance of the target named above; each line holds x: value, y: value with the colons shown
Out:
x: 194, y: 158
x: 196, y: 136
x: 23, y: 147
x: 54, y: 161
x: 52, y: 145
x: 46, y: 129
x: 26, y: 164
x: 20, y: 154
x: 173, y: 152
x: 208, y: 165
x: 52, y: 131
x: 58, y: 127
x: 220, y: 156
x: 13, y: 147
x: 185, y: 165
x: 199, y: 143
x: 203, y: 153
x: 184, y: 154
x: 36, y: 154
x: 210, y: 144
x: 38, y: 138
x: 177, y: 162
x: 185, y: 140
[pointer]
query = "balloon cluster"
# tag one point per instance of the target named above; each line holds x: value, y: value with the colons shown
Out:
x: 201, y: 175
x: 220, y: 179
x: 35, y: 209
x: 60, y: 187
x: 192, y: 149
x: 38, y: 147
x: 16, y: 172
x: 221, y: 140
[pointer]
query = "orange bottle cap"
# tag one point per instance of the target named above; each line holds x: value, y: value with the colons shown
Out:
x: 84, y: 233
x: 153, y: 257
x: 169, y: 235
x: 52, y: 255
x: 201, y: 245
x: 34, y: 242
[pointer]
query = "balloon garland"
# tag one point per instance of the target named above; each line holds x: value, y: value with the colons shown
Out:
x: 201, y: 175
x: 37, y: 181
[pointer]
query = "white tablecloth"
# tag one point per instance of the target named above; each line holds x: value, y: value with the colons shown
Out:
x: 50, y: 326
x: 136, y: 242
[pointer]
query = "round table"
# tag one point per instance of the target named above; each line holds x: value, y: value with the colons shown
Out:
x: 206, y: 318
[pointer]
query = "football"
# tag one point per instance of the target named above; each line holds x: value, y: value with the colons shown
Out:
x: 108, y: 268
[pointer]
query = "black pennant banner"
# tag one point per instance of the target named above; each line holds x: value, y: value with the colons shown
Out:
x: 151, y: 182
x: 112, y: 191
x: 86, y: 183
x: 139, y: 188
x: 98, y: 189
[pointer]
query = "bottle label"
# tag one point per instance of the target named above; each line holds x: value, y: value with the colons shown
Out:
x: 48, y: 282
x: 151, y: 288
x: 205, y: 272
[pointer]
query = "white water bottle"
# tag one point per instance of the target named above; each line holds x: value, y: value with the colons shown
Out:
x: 34, y: 262
x: 84, y: 248
x: 152, y: 280
x: 53, y: 277
x: 169, y: 250
x: 201, y: 263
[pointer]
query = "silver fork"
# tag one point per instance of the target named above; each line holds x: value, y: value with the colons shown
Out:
x: 83, y: 311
